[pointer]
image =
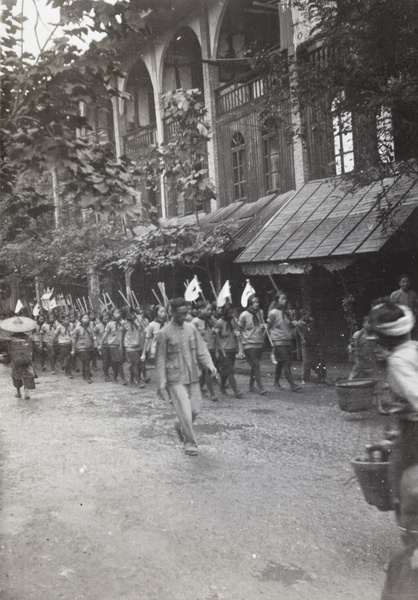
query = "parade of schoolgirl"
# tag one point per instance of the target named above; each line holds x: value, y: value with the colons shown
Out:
x: 186, y: 349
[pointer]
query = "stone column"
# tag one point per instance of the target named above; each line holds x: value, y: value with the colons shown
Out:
x: 210, y: 82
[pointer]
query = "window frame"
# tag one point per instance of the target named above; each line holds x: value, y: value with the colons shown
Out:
x: 239, y: 178
x: 384, y: 135
x: 272, y: 175
x: 343, y: 137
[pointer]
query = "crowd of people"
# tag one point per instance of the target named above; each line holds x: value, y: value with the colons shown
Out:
x: 192, y: 346
x: 75, y: 342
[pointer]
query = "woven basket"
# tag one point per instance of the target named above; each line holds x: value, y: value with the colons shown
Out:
x: 373, y: 478
x: 21, y: 352
x: 355, y: 395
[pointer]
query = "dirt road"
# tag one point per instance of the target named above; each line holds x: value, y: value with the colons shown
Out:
x: 98, y: 501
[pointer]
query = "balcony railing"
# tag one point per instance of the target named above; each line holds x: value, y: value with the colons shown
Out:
x: 135, y: 142
x: 170, y: 129
x: 238, y: 92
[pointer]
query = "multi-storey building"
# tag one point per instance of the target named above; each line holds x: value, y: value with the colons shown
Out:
x: 297, y: 216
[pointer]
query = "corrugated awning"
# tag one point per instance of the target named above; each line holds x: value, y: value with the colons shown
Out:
x: 209, y: 221
x: 326, y: 219
x: 248, y: 216
x: 253, y: 216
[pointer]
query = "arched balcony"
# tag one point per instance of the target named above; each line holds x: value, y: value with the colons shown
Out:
x: 139, y: 119
x: 182, y: 67
x: 246, y: 26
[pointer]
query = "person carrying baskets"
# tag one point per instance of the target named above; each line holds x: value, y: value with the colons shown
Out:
x: 21, y: 353
x: 393, y: 325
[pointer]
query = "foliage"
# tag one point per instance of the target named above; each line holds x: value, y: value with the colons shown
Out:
x: 182, y: 159
x: 28, y: 210
x: 176, y: 244
x: 367, y: 52
x: 64, y: 254
x: 41, y: 126
x: 94, y: 246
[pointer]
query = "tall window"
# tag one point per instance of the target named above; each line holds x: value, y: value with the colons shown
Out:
x: 271, y: 156
x: 238, y: 166
x: 384, y: 131
x: 342, y: 126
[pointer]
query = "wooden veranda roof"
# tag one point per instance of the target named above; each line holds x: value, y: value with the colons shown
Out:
x: 326, y: 219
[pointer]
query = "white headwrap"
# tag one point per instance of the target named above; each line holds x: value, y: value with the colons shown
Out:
x: 396, y: 328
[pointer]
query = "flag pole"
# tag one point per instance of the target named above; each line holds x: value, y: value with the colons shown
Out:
x: 156, y: 295
x: 135, y: 298
x: 200, y: 289
x: 110, y: 300
x: 125, y: 298
x: 274, y: 283
x: 213, y: 289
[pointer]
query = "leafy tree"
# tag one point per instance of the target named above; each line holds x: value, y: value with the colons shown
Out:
x: 44, y: 135
x: 41, y: 124
x: 64, y: 255
x: 175, y: 244
x: 366, y: 58
x: 182, y: 159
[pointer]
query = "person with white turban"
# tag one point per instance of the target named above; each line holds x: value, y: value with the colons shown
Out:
x: 393, y: 324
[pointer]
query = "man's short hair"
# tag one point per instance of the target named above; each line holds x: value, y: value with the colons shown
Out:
x: 177, y: 302
x: 404, y: 276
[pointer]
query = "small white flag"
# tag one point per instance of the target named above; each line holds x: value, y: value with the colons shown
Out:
x: 35, y: 311
x: 224, y: 295
x: 52, y: 304
x: 19, y: 306
x: 248, y: 291
x: 47, y: 295
x: 193, y: 290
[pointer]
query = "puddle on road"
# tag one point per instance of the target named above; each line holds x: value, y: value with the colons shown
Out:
x: 286, y: 574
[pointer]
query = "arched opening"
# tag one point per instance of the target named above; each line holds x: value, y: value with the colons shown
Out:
x: 183, y: 62
x: 247, y: 24
x: 140, y: 108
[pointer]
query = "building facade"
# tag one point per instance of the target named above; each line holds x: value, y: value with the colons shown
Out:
x: 306, y: 227
x: 204, y: 44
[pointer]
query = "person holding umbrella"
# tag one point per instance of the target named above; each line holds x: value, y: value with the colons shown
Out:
x: 21, y: 352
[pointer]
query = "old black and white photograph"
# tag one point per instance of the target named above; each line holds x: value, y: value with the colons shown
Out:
x: 209, y: 300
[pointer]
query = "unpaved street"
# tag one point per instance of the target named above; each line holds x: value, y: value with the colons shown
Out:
x: 98, y: 501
